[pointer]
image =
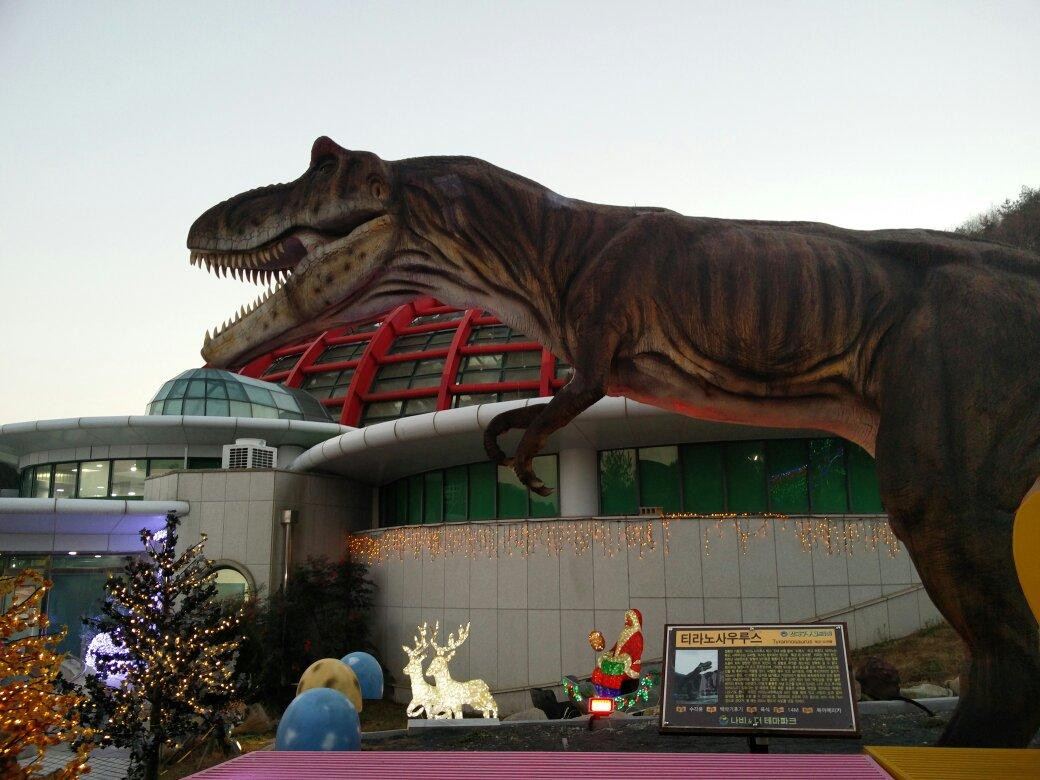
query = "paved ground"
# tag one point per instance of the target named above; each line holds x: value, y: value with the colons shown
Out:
x: 107, y: 764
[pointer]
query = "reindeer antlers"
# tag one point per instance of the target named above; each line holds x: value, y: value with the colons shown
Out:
x: 421, y: 641
x: 453, y: 644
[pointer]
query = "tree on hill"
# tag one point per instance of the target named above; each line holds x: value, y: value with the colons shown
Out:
x: 1015, y: 222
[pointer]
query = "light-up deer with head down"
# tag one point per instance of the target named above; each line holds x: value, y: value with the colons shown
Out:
x: 453, y: 694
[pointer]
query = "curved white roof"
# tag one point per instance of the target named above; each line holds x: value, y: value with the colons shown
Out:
x: 388, y: 450
x: 17, y: 439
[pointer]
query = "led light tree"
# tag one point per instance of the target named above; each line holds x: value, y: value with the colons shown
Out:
x: 174, y: 648
x: 34, y: 711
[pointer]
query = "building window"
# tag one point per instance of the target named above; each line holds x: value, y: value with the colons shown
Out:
x: 341, y: 353
x: 446, y: 316
x: 409, y: 374
x: 65, y: 478
x: 504, y: 367
x: 479, y: 491
x: 494, y: 334
x: 473, y: 399
x: 231, y: 584
x: 41, y: 487
x: 787, y: 476
x: 328, y: 384
x: 159, y: 466
x: 284, y: 363
x: 93, y: 479
x: 422, y: 342
x: 128, y: 478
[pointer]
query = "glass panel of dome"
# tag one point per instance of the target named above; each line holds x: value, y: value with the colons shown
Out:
x: 93, y: 479
x: 128, y: 478
x: 237, y: 392
x: 267, y: 412
x: 342, y: 352
x: 155, y: 407
x: 164, y: 391
x: 179, y: 386
x: 240, y: 409
x: 659, y: 477
x: 286, y: 402
x: 546, y: 467
x: 195, y: 407
x: 159, y: 466
x: 42, y: 482
x: 216, y: 389
x: 863, y: 486
x: 328, y: 384
x: 427, y: 373
x: 196, y: 389
x: 415, y: 342
x: 259, y: 395
x: 746, y: 476
x: 787, y: 464
x: 828, y: 490
x: 217, y: 408
x: 522, y: 366
x: 65, y: 475
x: 704, y: 485
x: 173, y: 406
x: 284, y: 363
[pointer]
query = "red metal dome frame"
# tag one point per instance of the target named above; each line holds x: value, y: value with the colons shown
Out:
x: 348, y: 407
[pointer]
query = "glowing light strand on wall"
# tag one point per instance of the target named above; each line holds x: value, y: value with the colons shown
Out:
x: 832, y: 535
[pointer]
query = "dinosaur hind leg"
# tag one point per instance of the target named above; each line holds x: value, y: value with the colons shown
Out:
x: 507, y: 421
x: 966, y: 564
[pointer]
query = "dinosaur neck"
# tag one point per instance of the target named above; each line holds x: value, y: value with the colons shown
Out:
x: 498, y: 241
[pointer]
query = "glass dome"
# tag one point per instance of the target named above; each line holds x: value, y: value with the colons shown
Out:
x: 214, y: 392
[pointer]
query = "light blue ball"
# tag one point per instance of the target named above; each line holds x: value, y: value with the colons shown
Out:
x: 369, y: 673
x: 319, y: 719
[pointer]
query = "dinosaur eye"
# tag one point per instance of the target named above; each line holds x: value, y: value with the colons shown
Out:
x: 326, y: 166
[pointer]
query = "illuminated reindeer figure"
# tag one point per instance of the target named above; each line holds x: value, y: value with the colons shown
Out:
x: 452, y: 694
x: 424, y: 695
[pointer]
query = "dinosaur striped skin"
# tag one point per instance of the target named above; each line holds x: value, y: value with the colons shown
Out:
x: 919, y: 345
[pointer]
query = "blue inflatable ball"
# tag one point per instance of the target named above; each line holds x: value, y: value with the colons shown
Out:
x: 369, y: 673
x: 319, y: 719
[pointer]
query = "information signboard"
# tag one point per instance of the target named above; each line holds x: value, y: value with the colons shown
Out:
x: 778, y: 679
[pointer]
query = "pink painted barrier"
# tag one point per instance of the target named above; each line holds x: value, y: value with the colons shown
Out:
x: 489, y: 765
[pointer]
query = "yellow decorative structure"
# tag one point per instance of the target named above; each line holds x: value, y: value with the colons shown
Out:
x: 451, y: 694
x: 332, y: 673
x: 1026, y: 544
x: 925, y: 763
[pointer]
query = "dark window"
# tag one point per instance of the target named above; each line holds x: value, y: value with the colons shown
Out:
x: 447, y: 316
x: 494, y: 334
x: 412, y: 373
x: 284, y: 363
x: 472, y: 399
x: 619, y: 493
x: 504, y: 367
x: 328, y: 384
x: 340, y: 353
x: 422, y: 342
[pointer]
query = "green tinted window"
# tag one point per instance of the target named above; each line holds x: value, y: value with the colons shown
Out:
x: 863, y: 484
x: 159, y: 466
x: 787, y: 462
x: 203, y: 463
x: 65, y: 475
x: 512, y: 495
x: 400, y: 494
x: 618, y: 493
x: 482, y: 484
x: 545, y: 466
x: 746, y: 476
x: 433, y: 497
x: 415, y: 499
x: 659, y: 478
x: 704, y: 485
x: 827, y: 476
x: 455, y: 492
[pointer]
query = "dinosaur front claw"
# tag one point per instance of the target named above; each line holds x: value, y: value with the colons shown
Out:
x: 527, y: 476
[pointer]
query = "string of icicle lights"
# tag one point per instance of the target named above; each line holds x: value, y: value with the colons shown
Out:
x: 611, y: 536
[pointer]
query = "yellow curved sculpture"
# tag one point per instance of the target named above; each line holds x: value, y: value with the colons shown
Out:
x: 332, y: 673
x: 1026, y: 544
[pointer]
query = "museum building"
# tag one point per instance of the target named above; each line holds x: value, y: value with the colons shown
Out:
x: 369, y: 438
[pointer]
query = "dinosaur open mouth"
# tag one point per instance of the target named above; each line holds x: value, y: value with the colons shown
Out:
x: 276, y: 264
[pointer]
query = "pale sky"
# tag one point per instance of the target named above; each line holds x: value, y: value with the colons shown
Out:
x: 121, y: 122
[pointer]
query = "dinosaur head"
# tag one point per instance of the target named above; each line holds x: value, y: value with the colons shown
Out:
x: 319, y: 242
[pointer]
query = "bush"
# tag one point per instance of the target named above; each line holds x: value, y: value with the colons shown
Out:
x: 1015, y: 222
x: 324, y: 613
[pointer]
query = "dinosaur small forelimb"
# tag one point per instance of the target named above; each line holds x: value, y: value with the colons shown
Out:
x: 507, y: 421
x: 574, y: 398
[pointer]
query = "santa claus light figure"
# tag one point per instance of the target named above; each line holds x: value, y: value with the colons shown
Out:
x: 623, y: 660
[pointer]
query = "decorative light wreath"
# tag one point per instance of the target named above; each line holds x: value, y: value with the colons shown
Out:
x: 623, y: 702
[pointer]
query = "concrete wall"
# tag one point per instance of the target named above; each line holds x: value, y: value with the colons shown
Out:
x: 531, y: 616
x: 241, y: 511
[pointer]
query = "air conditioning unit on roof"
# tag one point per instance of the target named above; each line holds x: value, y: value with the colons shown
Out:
x: 249, y: 454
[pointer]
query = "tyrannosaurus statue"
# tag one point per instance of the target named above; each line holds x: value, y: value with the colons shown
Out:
x: 921, y: 346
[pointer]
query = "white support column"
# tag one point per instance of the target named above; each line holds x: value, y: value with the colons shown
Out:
x: 579, y: 483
